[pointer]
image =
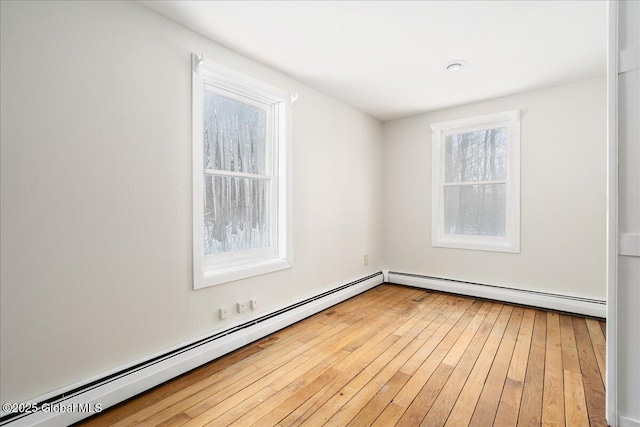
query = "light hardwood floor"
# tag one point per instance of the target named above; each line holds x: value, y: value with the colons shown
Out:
x: 395, y: 356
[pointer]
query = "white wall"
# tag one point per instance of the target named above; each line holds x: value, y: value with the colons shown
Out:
x: 96, y: 193
x: 563, y: 184
x: 628, y: 318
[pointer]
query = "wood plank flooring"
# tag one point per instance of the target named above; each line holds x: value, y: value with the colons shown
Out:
x: 395, y: 356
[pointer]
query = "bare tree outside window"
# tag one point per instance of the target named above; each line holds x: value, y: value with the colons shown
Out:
x: 236, y: 208
x: 475, y: 170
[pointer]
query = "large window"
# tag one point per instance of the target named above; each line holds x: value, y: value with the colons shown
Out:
x: 476, y: 183
x: 241, y: 135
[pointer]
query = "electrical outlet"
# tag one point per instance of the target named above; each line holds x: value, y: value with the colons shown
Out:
x: 224, y: 313
x: 366, y: 259
x: 254, y: 304
x: 242, y: 307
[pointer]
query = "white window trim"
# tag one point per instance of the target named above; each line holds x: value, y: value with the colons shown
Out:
x: 509, y: 243
x: 260, y: 261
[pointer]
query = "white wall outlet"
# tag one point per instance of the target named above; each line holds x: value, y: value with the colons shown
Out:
x: 242, y: 307
x: 224, y: 313
x: 366, y: 259
x: 254, y: 304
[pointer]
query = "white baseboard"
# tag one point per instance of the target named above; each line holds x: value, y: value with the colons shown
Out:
x: 627, y: 422
x: 587, y: 307
x: 134, y: 381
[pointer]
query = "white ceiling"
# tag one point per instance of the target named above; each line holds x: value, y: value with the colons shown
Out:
x: 387, y: 58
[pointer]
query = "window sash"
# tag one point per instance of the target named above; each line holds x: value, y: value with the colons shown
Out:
x: 249, y: 255
x: 271, y: 109
x: 485, y: 218
x: 444, y: 184
x: 248, y: 97
x: 238, y: 257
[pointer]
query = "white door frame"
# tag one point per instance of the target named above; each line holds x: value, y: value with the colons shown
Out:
x: 612, y: 211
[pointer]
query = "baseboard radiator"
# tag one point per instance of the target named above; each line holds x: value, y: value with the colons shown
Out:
x: 553, y: 301
x: 115, y: 387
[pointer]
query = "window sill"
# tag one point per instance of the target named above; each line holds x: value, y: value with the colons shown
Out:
x: 477, y: 245
x: 219, y: 276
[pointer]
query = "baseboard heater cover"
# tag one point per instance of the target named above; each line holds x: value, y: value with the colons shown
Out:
x: 566, y: 303
x: 114, y: 388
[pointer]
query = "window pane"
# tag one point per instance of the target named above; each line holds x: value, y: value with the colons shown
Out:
x: 235, y: 135
x: 235, y: 214
x: 476, y: 156
x: 475, y: 210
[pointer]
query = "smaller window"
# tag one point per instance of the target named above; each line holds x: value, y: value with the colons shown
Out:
x: 476, y: 183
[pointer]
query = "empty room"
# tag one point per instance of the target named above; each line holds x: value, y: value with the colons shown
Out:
x: 284, y: 213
